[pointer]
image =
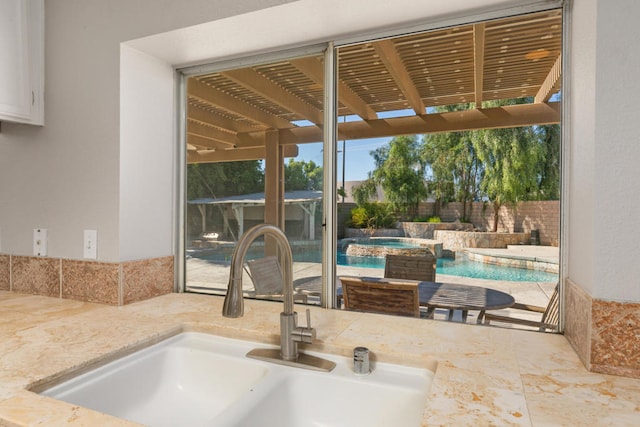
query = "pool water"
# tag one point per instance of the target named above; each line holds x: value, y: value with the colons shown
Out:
x: 462, y: 267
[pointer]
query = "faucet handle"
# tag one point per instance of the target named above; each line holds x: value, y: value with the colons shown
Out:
x: 305, y: 334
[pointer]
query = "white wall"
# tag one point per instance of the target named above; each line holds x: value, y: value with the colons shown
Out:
x: 66, y: 175
x: 581, y: 198
x: 604, y: 190
x: 617, y: 152
x: 146, y: 156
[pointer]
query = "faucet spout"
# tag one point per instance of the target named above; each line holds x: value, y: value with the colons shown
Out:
x: 290, y: 333
x: 233, y: 302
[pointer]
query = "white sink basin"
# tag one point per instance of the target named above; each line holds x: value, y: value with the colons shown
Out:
x: 189, y: 377
x: 396, y: 397
x: 200, y: 379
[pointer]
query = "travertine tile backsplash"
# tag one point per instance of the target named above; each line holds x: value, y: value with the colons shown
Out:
x: 35, y: 275
x: 91, y: 281
x: 604, y: 334
x: 615, y: 341
x: 146, y: 278
x: 5, y: 272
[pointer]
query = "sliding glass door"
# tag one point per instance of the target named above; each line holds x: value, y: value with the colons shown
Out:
x: 254, y: 155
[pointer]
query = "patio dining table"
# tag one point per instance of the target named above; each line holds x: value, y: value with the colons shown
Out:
x: 433, y: 295
x: 453, y: 296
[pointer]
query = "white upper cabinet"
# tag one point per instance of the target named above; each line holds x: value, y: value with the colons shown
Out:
x: 22, y: 61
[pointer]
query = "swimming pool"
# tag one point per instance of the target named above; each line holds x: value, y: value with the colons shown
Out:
x: 462, y: 267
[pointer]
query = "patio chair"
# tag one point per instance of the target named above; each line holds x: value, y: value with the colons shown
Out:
x: 267, y: 279
x: 412, y: 267
x: 375, y: 295
x: 548, y: 320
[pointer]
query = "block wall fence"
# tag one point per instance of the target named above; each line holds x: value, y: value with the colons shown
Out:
x: 522, y: 218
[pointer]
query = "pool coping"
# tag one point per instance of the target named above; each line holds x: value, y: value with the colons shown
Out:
x: 502, y: 257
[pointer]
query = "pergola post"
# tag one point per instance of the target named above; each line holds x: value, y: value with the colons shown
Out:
x: 273, y: 186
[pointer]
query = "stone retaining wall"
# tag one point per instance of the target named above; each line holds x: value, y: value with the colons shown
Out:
x: 367, y: 247
x: 425, y: 230
x: 382, y: 251
x: 379, y: 232
x: 456, y: 240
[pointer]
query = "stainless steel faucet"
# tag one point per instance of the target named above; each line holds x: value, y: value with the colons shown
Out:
x: 290, y: 333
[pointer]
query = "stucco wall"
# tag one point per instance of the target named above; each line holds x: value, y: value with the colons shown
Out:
x: 616, y: 151
x: 69, y: 175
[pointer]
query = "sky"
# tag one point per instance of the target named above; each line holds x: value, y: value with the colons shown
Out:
x: 359, y: 162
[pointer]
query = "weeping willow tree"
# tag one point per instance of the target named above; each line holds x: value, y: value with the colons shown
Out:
x: 510, y: 158
x: 399, y: 170
x: 454, y: 168
x: 503, y: 166
x: 549, y: 167
x: 518, y: 163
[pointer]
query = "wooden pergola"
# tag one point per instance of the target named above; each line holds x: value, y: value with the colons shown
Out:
x: 264, y: 111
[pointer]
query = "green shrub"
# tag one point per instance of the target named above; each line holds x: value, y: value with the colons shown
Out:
x: 427, y: 219
x: 359, y: 218
x: 372, y: 215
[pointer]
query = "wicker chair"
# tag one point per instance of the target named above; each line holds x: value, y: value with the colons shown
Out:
x: 384, y: 296
x: 267, y: 279
x: 549, y: 319
x: 419, y: 267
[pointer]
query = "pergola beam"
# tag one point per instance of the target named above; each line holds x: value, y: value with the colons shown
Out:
x: 478, y: 59
x: 550, y: 84
x: 202, y: 92
x: 200, y: 142
x: 217, y: 120
x: 313, y: 69
x: 236, y: 154
x: 456, y: 121
x: 209, y: 132
x: 394, y: 64
x: 254, y: 81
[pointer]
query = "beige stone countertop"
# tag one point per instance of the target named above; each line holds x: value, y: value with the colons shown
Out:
x: 483, y: 375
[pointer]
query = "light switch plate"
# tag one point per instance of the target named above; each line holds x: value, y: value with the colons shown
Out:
x: 90, y: 244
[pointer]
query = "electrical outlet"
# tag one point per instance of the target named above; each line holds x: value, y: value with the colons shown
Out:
x: 91, y: 244
x: 40, y: 241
